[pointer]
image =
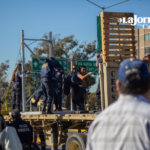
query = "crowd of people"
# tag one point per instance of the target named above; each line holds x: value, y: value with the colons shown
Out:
x: 123, y: 125
x: 53, y: 83
x: 17, y: 135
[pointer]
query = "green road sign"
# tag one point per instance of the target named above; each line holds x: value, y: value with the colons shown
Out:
x: 36, y: 65
x: 90, y: 65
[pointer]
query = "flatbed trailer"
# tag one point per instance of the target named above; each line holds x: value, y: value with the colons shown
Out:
x: 55, y: 128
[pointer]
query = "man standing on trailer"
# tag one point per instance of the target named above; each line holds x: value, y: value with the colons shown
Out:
x: 74, y: 70
x: 39, y: 92
x: 125, y: 124
x: 59, y: 76
x: 74, y: 81
x: 47, y: 83
x: 98, y: 92
x: 83, y: 97
x: 18, y: 86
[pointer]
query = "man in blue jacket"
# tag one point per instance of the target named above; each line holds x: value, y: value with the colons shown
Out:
x: 47, y: 84
x: 59, y: 75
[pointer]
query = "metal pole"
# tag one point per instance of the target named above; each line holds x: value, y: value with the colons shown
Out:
x: 50, y: 45
x: 32, y: 95
x: 101, y: 78
x: 51, y: 55
x: 71, y: 89
x: 23, y: 75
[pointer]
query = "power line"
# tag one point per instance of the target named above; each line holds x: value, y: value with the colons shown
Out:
x: 103, y: 8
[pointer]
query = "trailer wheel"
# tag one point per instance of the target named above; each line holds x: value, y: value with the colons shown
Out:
x: 76, y: 141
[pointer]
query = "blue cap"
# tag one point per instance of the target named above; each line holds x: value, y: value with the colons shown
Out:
x: 133, y: 66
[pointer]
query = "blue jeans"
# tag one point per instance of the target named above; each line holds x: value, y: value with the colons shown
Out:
x: 47, y: 90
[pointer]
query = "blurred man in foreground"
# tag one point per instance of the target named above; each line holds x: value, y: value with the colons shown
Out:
x: 23, y: 128
x: 125, y: 124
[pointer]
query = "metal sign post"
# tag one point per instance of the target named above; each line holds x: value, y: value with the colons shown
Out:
x: 71, y: 89
x: 23, y: 75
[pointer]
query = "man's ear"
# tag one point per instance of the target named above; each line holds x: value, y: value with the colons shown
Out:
x: 117, y: 85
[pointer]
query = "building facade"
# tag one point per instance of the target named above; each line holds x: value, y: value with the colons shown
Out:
x: 142, y: 42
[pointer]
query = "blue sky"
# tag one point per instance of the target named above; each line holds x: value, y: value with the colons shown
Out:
x: 65, y: 17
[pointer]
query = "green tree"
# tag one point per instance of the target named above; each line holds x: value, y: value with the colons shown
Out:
x: 92, y: 97
x: 4, y: 82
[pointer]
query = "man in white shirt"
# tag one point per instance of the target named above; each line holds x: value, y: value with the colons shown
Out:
x: 125, y: 124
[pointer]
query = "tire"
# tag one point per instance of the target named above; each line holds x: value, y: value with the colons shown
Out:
x: 76, y: 141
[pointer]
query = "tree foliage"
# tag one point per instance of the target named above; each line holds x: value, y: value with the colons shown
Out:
x: 92, y: 97
x: 4, y: 82
x: 3, y: 77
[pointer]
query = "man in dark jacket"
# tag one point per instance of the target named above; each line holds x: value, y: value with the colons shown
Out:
x: 74, y: 70
x: 47, y: 83
x: 23, y: 128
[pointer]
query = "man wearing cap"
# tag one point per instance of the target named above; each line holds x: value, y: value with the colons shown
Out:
x: 23, y: 129
x: 125, y: 124
x: 72, y: 73
x: 47, y: 83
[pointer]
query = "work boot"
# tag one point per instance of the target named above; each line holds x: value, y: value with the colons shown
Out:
x: 43, y: 108
x: 34, y: 104
x: 48, y: 111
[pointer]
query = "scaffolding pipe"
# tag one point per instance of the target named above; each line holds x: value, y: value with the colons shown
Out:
x: 23, y: 75
x: 38, y: 40
x: 32, y: 95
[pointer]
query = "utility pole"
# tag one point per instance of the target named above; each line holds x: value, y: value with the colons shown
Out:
x: 23, y: 74
x: 50, y: 45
